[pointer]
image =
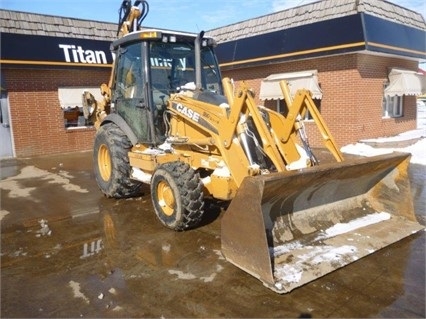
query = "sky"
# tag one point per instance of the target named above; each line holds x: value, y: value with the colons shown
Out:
x: 182, y: 15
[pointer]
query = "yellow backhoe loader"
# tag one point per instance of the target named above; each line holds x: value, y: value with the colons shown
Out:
x: 168, y: 119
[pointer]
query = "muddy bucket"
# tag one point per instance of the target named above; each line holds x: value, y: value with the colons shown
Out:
x: 287, y: 229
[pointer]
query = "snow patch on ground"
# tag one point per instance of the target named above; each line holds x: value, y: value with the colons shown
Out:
x: 3, y: 214
x: 417, y: 150
x: 16, y: 188
x: 189, y: 276
x: 75, y: 286
x: 182, y: 275
x: 409, y: 135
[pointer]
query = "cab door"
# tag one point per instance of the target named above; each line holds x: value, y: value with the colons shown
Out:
x: 128, y: 92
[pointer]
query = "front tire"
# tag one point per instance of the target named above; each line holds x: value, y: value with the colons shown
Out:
x: 111, y: 162
x: 177, y: 196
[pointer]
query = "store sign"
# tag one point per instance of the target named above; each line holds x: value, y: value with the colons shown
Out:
x: 77, y: 54
x: 24, y: 49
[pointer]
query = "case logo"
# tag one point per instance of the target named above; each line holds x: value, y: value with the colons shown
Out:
x: 195, y: 116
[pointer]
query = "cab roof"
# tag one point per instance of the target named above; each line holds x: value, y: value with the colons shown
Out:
x: 158, y: 35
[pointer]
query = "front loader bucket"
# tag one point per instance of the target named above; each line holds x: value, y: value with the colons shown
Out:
x: 288, y: 229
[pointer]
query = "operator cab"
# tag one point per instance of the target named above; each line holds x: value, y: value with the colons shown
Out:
x: 152, y: 64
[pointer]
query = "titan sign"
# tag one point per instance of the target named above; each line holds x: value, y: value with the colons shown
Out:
x: 80, y: 55
x: 23, y: 49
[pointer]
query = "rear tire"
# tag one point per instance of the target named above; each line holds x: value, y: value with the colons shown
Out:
x: 177, y: 196
x: 111, y: 162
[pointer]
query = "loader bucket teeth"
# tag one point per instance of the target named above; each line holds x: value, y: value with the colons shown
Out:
x: 290, y: 228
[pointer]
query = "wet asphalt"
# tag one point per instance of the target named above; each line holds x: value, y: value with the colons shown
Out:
x: 67, y: 251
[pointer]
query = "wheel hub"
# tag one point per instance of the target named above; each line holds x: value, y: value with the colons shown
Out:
x: 104, y: 163
x: 166, y: 199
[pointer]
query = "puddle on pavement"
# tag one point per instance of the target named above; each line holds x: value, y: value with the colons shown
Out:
x: 112, y: 258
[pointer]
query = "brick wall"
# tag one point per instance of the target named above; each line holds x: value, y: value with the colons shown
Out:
x: 36, y: 116
x: 352, y: 88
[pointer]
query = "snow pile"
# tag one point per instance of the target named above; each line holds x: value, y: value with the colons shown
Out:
x: 409, y: 135
x: 417, y: 150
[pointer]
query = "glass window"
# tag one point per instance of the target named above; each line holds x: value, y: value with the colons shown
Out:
x: 210, y: 74
x: 75, y: 107
x: 129, y: 76
x: 173, y: 66
x: 392, y: 106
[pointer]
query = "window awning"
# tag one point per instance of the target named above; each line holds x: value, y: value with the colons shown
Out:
x: 73, y: 96
x: 270, y: 87
x: 405, y: 82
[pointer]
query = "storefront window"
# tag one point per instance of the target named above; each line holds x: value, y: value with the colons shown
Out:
x: 75, y: 112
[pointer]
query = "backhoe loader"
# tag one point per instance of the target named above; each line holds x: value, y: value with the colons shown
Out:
x: 169, y: 120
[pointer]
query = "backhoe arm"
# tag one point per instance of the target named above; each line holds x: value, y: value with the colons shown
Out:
x: 130, y: 20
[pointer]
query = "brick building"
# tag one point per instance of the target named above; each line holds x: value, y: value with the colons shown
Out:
x: 347, y: 52
x: 37, y: 66
x: 358, y: 57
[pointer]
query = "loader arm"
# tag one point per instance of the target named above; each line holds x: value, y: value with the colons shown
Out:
x: 280, y: 142
x: 302, y: 103
x: 244, y: 105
